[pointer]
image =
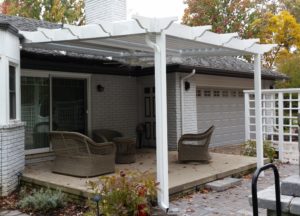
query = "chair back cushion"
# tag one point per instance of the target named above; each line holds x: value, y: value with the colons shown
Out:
x: 69, y: 143
x: 105, y: 135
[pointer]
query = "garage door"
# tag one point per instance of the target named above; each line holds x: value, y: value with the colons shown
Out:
x: 223, y: 108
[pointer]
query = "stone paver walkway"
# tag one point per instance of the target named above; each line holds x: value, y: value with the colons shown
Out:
x: 233, y: 201
x: 12, y: 213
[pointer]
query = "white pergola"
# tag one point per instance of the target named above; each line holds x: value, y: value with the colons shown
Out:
x: 142, y: 37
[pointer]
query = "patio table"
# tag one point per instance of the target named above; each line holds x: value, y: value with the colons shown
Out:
x: 126, y: 150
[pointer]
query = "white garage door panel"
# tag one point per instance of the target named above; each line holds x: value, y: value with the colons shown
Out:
x: 226, y: 112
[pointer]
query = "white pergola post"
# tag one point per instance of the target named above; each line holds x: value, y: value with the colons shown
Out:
x: 161, y: 121
x: 258, y: 111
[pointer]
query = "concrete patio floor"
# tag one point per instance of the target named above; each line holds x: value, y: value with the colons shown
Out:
x: 182, y: 177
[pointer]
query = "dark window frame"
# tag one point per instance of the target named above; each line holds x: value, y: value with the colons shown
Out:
x: 12, y: 92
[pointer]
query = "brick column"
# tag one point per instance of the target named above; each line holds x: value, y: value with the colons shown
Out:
x: 12, y: 156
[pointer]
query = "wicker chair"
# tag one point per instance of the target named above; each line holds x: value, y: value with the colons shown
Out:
x: 194, y: 147
x: 78, y: 155
x: 105, y: 135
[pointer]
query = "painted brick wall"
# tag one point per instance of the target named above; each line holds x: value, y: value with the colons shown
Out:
x: 12, y: 160
x: 173, y: 115
x: 105, y: 10
x: 115, y: 107
x: 190, y: 107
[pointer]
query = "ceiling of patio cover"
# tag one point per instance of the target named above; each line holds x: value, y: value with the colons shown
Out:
x: 127, y: 39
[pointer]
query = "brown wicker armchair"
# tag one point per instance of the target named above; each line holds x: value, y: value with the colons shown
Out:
x: 105, y: 135
x: 78, y: 155
x: 194, y: 147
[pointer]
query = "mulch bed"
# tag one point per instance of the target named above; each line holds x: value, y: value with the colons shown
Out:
x: 71, y: 209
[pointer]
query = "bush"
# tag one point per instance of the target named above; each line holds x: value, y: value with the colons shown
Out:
x: 127, y: 194
x: 42, y: 200
x: 249, y: 149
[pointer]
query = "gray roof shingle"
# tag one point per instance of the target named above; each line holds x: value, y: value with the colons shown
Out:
x: 225, y: 63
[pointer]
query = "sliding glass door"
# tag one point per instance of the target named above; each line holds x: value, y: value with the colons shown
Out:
x: 52, y: 102
x: 35, y: 111
x: 69, y: 104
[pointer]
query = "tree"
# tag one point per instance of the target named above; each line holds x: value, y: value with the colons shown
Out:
x: 281, y: 29
x: 292, y: 6
x: 65, y: 11
x: 291, y: 67
x: 224, y: 15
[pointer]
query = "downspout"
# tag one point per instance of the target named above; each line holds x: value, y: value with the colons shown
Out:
x: 182, y: 97
x: 151, y: 44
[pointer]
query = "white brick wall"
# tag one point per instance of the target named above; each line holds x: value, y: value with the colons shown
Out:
x: 105, y: 10
x: 115, y: 107
x: 190, y: 108
x: 12, y: 156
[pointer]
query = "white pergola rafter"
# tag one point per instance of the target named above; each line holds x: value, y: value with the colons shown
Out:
x: 161, y: 37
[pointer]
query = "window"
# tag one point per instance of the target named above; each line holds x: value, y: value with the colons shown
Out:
x: 241, y: 94
x: 225, y: 93
x: 198, y: 92
x: 233, y: 93
x: 12, y: 92
x: 216, y: 93
x: 207, y: 93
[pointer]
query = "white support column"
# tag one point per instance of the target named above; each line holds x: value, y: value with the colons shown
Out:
x: 280, y: 125
x: 258, y: 112
x: 161, y: 121
x: 247, y: 116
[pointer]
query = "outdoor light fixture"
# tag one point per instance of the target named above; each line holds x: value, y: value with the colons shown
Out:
x: 187, y: 86
x: 100, y: 88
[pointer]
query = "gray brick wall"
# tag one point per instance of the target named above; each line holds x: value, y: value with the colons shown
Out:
x: 12, y: 156
x: 120, y: 105
x: 173, y: 114
x: 115, y: 107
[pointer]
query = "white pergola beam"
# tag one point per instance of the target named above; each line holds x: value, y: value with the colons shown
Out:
x: 235, y: 43
x: 208, y: 52
x: 182, y: 31
x: 261, y: 48
x: 217, y: 39
x: 70, y: 48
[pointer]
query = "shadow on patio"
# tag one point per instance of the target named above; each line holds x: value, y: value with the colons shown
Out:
x: 182, y: 177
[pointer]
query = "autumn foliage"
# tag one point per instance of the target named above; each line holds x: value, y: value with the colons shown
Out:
x: 64, y: 11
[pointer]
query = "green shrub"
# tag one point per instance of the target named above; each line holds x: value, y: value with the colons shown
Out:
x: 42, y: 200
x: 127, y: 194
x: 249, y: 149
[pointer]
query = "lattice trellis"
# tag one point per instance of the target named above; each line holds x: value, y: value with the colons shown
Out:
x: 280, y: 108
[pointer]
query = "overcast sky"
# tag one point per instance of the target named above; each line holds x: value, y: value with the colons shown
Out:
x: 156, y: 8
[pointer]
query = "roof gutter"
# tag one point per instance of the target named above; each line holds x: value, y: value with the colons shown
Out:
x: 183, y: 79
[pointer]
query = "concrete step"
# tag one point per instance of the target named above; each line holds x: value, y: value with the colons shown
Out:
x: 291, y: 186
x: 223, y: 184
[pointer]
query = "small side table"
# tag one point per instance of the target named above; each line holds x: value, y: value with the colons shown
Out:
x: 126, y: 150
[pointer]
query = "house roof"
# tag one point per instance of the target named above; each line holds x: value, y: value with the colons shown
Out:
x: 230, y: 66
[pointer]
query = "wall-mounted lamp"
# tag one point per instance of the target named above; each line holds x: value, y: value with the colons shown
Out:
x: 187, y: 85
x: 100, y: 88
